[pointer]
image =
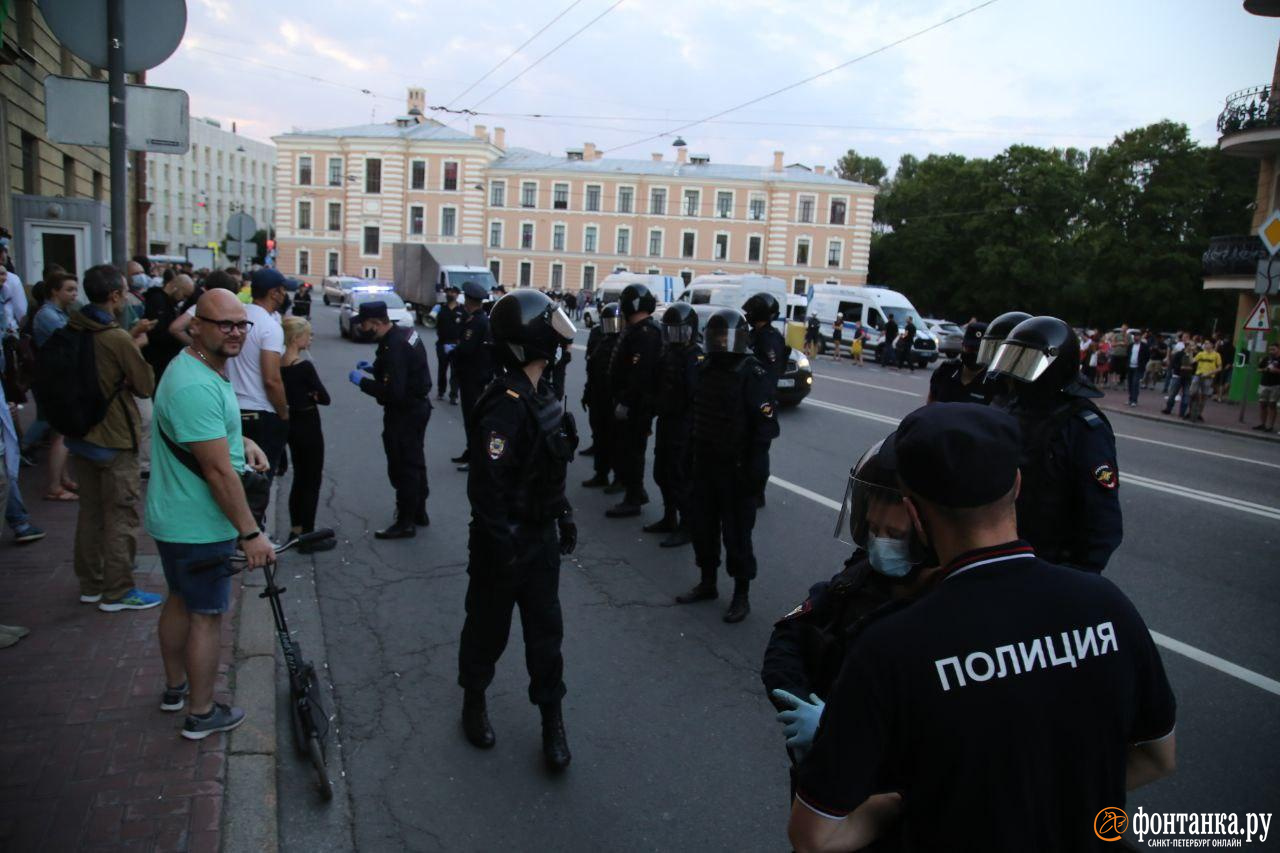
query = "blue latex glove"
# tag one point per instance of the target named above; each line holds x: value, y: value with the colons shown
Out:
x: 356, y: 376
x: 449, y: 348
x: 800, y: 722
x: 364, y: 365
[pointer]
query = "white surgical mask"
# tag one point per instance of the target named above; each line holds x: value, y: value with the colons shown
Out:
x: 888, y: 556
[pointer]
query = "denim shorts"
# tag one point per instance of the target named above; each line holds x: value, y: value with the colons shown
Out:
x: 207, y: 592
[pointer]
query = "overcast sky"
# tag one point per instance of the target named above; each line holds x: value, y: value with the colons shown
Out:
x: 1045, y: 72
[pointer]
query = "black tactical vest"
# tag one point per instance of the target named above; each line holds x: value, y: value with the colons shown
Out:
x: 1046, y: 517
x: 673, y: 395
x: 718, y: 419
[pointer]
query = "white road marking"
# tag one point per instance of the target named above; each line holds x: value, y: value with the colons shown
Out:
x: 1247, y: 460
x: 1126, y: 476
x: 828, y: 378
x: 1176, y: 646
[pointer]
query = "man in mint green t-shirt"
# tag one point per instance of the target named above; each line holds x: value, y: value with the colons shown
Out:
x: 195, y: 517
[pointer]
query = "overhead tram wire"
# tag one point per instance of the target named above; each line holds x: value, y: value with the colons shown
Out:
x: 512, y: 54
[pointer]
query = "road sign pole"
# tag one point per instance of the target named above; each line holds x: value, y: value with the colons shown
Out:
x: 116, y: 114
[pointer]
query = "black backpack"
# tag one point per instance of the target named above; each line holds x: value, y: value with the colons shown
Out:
x: 67, y: 383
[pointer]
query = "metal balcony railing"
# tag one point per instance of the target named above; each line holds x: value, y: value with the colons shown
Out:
x: 1249, y: 109
x: 1233, y: 255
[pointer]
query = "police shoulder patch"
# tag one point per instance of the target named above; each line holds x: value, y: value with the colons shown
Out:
x: 413, y: 338
x: 497, y: 446
x: 766, y: 409
x: 800, y: 609
x: 635, y: 359
x: 1106, y: 476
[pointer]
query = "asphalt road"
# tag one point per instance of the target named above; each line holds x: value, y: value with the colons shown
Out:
x: 675, y: 746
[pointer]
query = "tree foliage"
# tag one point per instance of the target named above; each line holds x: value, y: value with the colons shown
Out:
x: 1101, y: 237
x: 855, y: 167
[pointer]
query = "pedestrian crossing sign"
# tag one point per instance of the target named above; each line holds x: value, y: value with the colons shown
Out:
x: 1260, y: 318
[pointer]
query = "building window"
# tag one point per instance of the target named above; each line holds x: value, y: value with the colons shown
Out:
x: 802, y: 252
x: 498, y: 194
x: 800, y: 287
x: 722, y: 247
x: 372, y: 175
x: 588, y: 277
x: 332, y: 265
x: 560, y: 196
x: 416, y: 215
x: 806, y: 208
x: 724, y: 204
x: 69, y: 175
x: 692, y: 200
x: 451, y: 176
x: 495, y: 235
x: 31, y: 165
x: 757, y: 208
x: 654, y: 271
x: 529, y: 194
x: 557, y: 237
x: 418, y: 175
x: 372, y: 240
x: 526, y: 274
x: 304, y: 262
x: 657, y: 202
x: 655, y: 244
x: 593, y: 197
x: 335, y: 172
x: 753, y: 249
x: 449, y: 222
x: 838, y: 207
x: 834, y: 249
x: 624, y: 241
x: 589, y: 239
x: 495, y: 267
x: 304, y: 216
x: 626, y: 199
x: 369, y: 272
x: 335, y: 216
x: 688, y: 244
x: 526, y: 235
x: 557, y: 276
x: 304, y: 171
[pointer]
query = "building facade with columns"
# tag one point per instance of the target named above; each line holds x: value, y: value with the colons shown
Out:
x: 345, y: 196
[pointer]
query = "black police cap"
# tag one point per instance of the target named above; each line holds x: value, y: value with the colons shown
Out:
x: 376, y: 310
x: 474, y: 290
x: 973, y: 335
x: 958, y: 454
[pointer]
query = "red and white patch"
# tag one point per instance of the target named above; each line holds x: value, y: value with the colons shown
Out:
x: 497, y: 446
x: 1106, y: 475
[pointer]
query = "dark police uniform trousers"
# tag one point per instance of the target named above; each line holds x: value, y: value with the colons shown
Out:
x: 672, y: 450
x: 599, y: 399
x: 473, y: 367
x: 448, y: 331
x: 733, y: 423
x: 401, y: 382
x: 633, y: 378
x: 516, y: 489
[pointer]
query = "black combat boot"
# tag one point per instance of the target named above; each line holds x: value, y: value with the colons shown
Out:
x: 626, y: 509
x: 704, y: 591
x: 678, y: 537
x: 615, y: 488
x: 421, y: 518
x: 739, y: 606
x: 596, y: 482
x: 666, y: 524
x: 401, y: 528
x: 555, y: 746
x: 462, y: 458
x: 475, y: 720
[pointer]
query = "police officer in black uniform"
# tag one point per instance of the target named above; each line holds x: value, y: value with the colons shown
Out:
x: 521, y: 521
x: 966, y: 705
x: 401, y: 382
x: 472, y: 363
x: 733, y: 423
x: 633, y: 379
x: 997, y: 330
x: 673, y: 458
x: 597, y: 395
x: 1069, y: 506
x: 963, y: 379
x: 449, y: 320
x: 769, y: 348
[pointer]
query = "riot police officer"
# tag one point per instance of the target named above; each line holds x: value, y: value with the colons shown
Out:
x: 769, y: 348
x: 733, y: 423
x: 449, y: 322
x: 597, y: 396
x: 633, y: 378
x: 521, y: 521
x: 1069, y: 506
x: 401, y: 382
x: 472, y: 364
x: 997, y: 330
x: 672, y: 460
x: 963, y: 379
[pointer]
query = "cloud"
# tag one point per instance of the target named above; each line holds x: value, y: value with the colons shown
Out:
x: 302, y: 39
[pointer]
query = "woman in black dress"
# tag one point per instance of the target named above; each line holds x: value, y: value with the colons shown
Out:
x: 305, y: 393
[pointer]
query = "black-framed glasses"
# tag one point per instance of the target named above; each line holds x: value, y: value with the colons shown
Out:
x: 228, y: 326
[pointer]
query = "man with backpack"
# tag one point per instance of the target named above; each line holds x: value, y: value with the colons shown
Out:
x: 90, y: 371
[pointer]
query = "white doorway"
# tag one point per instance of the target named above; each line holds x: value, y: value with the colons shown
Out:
x: 52, y: 242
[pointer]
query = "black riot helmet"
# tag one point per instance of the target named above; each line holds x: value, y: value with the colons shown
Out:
x: 680, y: 324
x: 636, y: 298
x: 974, y: 334
x: 761, y: 308
x: 526, y: 325
x: 873, y: 486
x: 727, y: 333
x: 997, y: 330
x: 1043, y: 352
x: 611, y: 319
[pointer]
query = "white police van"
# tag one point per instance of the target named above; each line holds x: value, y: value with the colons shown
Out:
x: 870, y: 307
x: 663, y: 287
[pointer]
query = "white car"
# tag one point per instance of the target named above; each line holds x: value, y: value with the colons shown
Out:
x: 396, y: 310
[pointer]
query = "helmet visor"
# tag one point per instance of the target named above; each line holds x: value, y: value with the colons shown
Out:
x: 987, y: 349
x: 677, y: 333
x: 562, y: 325
x: 860, y: 495
x: 727, y: 340
x: 611, y: 325
x: 1023, y: 363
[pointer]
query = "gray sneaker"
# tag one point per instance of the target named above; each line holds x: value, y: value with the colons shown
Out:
x: 221, y: 718
x: 174, y: 698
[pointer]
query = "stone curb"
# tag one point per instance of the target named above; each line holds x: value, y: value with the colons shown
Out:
x: 1169, y: 419
x: 250, y: 819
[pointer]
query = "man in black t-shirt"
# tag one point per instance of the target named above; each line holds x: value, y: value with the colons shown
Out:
x: 1007, y: 707
x: 1268, y: 388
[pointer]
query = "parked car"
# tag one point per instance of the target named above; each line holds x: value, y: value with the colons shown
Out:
x: 333, y: 289
x: 396, y: 310
x: 797, y: 377
x: 950, y: 336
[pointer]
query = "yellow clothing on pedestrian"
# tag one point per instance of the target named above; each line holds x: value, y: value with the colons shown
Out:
x: 1207, y: 362
x: 855, y: 348
x: 245, y: 295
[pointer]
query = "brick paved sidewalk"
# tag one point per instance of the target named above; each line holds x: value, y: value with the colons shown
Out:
x: 1219, y: 416
x: 89, y: 760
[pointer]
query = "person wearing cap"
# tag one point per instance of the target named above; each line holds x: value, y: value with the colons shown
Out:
x: 472, y: 359
x: 963, y: 379
x: 400, y: 380
x: 958, y: 718
x: 255, y: 374
x: 1069, y: 506
x: 449, y: 322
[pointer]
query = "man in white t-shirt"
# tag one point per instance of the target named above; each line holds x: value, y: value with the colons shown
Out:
x: 255, y: 375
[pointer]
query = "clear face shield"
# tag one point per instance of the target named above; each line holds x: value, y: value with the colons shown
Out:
x: 719, y: 340
x: 987, y: 348
x: 1023, y: 363
x: 860, y: 495
x: 562, y: 325
x: 677, y: 333
x: 611, y: 325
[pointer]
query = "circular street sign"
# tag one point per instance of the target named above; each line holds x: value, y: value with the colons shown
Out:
x: 240, y: 226
x: 152, y: 29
